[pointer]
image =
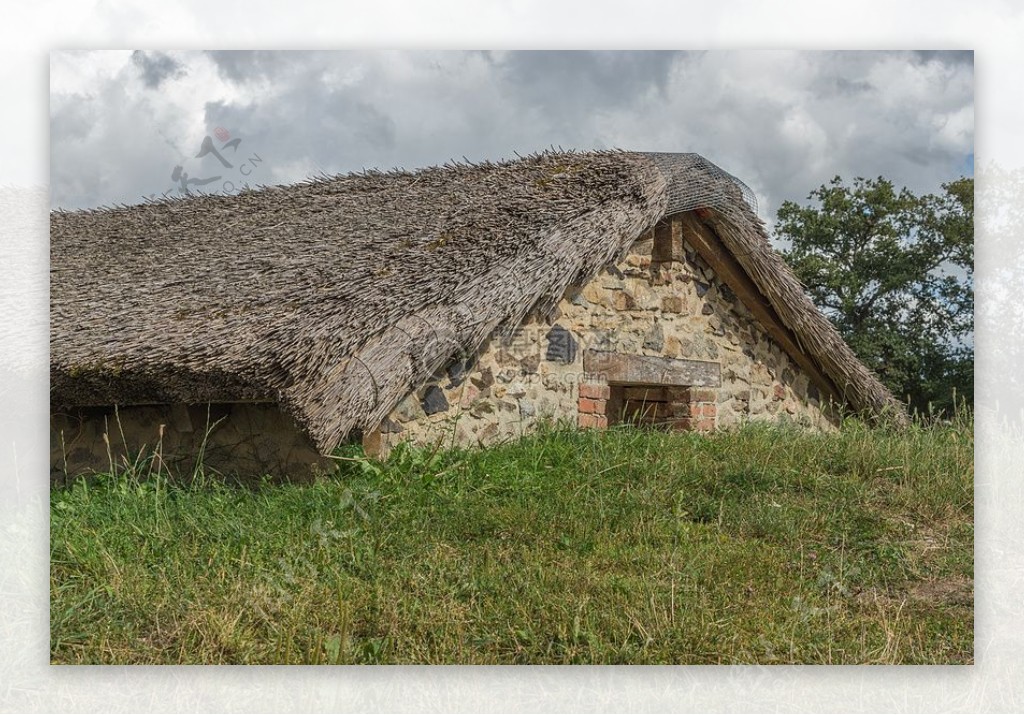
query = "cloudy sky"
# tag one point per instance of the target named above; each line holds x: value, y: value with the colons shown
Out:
x: 784, y: 122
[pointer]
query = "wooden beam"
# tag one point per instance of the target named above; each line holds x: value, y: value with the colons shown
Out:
x: 710, y: 247
x: 668, y: 242
x: 651, y: 370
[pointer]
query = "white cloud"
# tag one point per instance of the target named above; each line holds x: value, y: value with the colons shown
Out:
x: 954, y: 131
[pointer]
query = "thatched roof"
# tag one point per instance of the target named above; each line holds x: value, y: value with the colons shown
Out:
x: 337, y: 295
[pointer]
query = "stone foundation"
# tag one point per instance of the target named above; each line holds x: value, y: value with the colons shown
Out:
x: 247, y: 440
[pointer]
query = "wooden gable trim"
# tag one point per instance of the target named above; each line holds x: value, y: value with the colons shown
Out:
x: 706, y: 242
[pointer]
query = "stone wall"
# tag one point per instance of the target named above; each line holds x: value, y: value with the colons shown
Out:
x: 240, y: 439
x: 659, y: 301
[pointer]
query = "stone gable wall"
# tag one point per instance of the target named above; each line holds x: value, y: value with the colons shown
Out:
x: 672, y: 308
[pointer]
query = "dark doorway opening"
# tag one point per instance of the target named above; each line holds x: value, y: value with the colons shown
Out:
x: 649, y: 406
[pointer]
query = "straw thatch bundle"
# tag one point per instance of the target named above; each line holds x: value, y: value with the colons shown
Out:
x: 337, y: 296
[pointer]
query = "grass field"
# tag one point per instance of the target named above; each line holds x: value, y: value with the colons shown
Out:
x: 761, y: 545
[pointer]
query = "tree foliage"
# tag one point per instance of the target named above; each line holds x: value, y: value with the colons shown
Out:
x: 895, y: 274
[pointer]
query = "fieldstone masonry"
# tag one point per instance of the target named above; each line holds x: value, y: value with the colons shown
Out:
x: 664, y: 302
x: 242, y: 438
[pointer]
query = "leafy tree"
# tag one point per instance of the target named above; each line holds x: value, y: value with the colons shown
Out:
x: 895, y: 274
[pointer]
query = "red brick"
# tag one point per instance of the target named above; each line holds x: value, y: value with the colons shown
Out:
x: 705, y: 424
x: 710, y: 409
x: 588, y: 406
x: 587, y: 421
x: 595, y: 390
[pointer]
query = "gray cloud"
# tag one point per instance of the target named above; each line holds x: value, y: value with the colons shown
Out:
x: 246, y: 66
x: 312, y: 122
x: 784, y: 122
x: 566, y: 81
x: 965, y: 57
x: 155, y: 67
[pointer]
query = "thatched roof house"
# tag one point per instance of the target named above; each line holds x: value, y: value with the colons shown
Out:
x: 338, y: 297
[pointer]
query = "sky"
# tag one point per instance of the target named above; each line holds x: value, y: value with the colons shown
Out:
x: 126, y: 125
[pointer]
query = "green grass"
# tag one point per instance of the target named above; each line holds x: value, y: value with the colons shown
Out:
x: 761, y: 545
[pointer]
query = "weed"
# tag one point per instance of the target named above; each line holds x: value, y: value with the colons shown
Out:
x: 761, y: 545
